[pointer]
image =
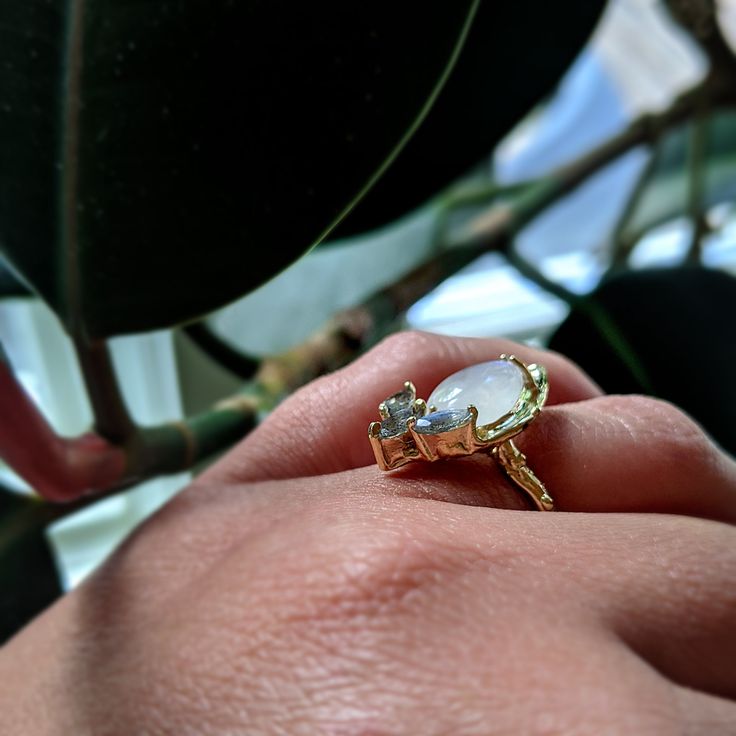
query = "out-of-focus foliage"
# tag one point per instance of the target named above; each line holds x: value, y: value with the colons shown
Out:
x: 159, y: 160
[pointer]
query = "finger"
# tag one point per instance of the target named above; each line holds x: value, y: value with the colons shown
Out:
x: 661, y: 583
x: 703, y: 714
x: 323, y: 427
x: 630, y: 453
x: 667, y: 591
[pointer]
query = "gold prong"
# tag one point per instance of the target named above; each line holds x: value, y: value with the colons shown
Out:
x: 383, y: 410
x: 421, y: 406
x: 538, y: 377
x: 409, y: 386
x: 526, y: 370
x: 374, y: 430
x: 474, y: 421
x: 420, y: 442
x: 432, y: 408
x: 515, y: 360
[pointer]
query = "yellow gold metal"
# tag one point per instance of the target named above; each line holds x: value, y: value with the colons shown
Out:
x: 513, y: 461
x: 453, y: 443
x: 396, y: 441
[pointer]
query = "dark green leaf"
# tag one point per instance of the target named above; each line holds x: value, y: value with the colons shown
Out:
x: 158, y: 160
x: 676, y: 322
x: 293, y: 305
x: 9, y: 284
x: 515, y: 54
x: 28, y: 577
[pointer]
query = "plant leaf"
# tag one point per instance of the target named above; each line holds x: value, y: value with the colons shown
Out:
x: 186, y: 151
x: 28, y: 576
x: 660, y: 310
x: 292, y: 306
x: 514, y: 56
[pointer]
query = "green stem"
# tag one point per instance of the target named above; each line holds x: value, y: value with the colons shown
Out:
x: 112, y: 420
x: 622, y: 241
x: 27, y: 515
x: 172, y: 448
x: 696, y: 184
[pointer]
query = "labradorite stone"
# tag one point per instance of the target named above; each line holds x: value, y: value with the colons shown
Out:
x: 442, y: 421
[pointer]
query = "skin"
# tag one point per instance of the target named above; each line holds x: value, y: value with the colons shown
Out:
x: 294, y: 589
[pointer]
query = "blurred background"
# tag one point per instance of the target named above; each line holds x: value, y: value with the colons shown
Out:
x: 657, y: 251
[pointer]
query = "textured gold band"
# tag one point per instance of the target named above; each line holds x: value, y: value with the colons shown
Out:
x: 513, y: 462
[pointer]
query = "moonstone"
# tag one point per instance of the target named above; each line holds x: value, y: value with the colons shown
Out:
x: 493, y: 388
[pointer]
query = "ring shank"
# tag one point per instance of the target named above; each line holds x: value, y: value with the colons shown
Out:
x: 513, y: 462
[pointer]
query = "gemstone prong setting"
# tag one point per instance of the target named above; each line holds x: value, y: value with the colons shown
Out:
x: 474, y: 409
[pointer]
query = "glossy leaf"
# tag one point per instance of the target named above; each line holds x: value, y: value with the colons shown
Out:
x: 514, y: 56
x: 345, y: 271
x: 158, y: 160
x: 290, y: 307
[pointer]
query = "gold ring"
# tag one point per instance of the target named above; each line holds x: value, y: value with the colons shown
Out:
x: 478, y: 409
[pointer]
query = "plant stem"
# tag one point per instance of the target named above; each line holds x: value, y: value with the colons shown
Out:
x: 700, y: 21
x: 59, y: 469
x: 112, y: 420
x: 696, y: 185
x: 622, y: 240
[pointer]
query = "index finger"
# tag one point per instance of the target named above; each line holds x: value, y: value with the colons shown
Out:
x: 322, y: 428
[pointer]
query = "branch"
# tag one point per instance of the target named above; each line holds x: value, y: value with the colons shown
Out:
x: 696, y: 185
x: 70, y: 469
x: 59, y: 469
x: 112, y: 419
x: 622, y: 240
x: 699, y: 19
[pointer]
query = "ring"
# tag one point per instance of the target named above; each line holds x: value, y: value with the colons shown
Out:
x: 478, y: 409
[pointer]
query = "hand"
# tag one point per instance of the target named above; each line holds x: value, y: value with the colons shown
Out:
x: 295, y: 589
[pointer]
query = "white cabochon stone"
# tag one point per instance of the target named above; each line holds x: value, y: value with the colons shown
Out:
x: 493, y: 388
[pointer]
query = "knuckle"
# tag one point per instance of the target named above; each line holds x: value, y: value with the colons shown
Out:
x: 380, y: 566
x: 391, y: 558
x: 374, y: 563
x: 408, y: 343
